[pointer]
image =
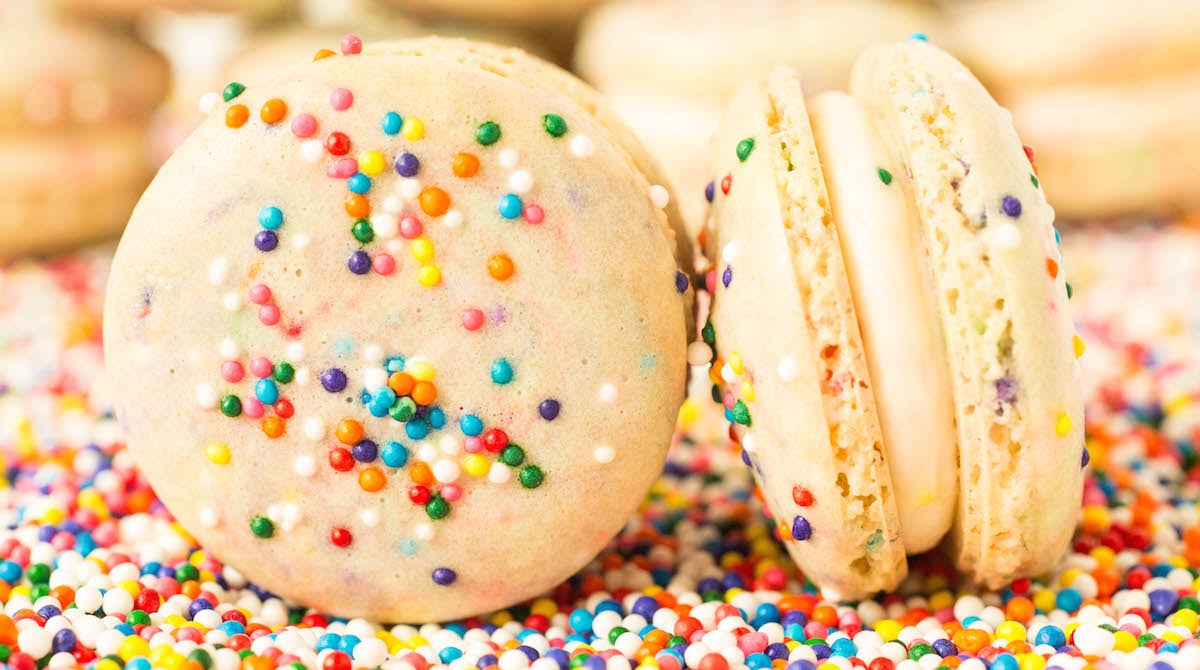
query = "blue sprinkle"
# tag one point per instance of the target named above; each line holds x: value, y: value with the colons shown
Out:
x: 359, y: 183
x: 385, y: 396
x: 502, y: 372
x: 920, y: 37
x: 437, y: 418
x: 471, y: 425
x: 348, y: 643
x: 416, y: 429
x: 681, y: 282
x: 394, y: 364
x: 266, y: 391
x: 801, y: 529
x: 327, y: 641
x: 270, y: 218
x: 710, y: 191
x: 391, y: 124
x: 407, y: 165
x: 510, y: 206
x: 407, y: 547
x: 727, y: 276
x: 1011, y: 206
x: 394, y: 454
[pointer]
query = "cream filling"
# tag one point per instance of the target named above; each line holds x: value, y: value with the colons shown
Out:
x: 893, y: 297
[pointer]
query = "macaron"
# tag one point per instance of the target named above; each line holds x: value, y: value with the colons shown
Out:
x: 513, y: 12
x: 411, y: 319
x: 890, y: 322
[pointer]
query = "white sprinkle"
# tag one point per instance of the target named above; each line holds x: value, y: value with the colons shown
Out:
x: 374, y: 377
x: 393, y: 204
x: 450, y: 445
x: 452, y: 219
x: 218, y: 271
x: 291, y: 517
x: 275, y: 512
x: 230, y: 349
x: 582, y: 146
x: 424, y: 531
x: 508, y: 158
x: 386, y: 225
x: 301, y: 241
x: 699, y: 353
x: 520, y: 181
x: 303, y: 376
x: 314, y: 428
x: 731, y: 251
x: 728, y: 374
x: 206, y: 396
x: 748, y: 442
x: 373, y: 353
x: 446, y: 471
x: 608, y: 393
x: 604, y: 454
x: 410, y: 188
x: 787, y: 368
x: 295, y: 352
x: 208, y: 517
x: 396, y: 248
x: 659, y: 196
x: 499, y: 473
x: 305, y: 465
x: 232, y: 301
x: 209, y: 102
x: 1007, y: 236
x: 312, y: 150
x: 426, y: 451
x: 370, y: 517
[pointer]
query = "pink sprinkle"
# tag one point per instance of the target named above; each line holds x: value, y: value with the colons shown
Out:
x: 268, y: 314
x: 304, y: 125
x: 472, y: 319
x: 63, y: 541
x: 260, y: 294
x: 232, y: 371
x: 729, y: 400
x: 167, y: 586
x: 342, y: 168
x: 341, y: 99
x: 534, y: 214
x: 253, y: 408
x: 261, y: 367
x: 451, y: 492
x: 384, y: 264
x: 473, y: 445
x: 351, y: 44
x: 105, y: 534
x: 410, y: 227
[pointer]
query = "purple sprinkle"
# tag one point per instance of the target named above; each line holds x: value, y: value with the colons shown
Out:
x: 334, y: 380
x: 444, y: 576
x: 745, y: 457
x: 727, y: 276
x: 710, y: 191
x: 365, y: 451
x: 681, y: 282
x: 1087, y: 457
x: 1006, y: 390
x: 407, y: 165
x: 801, y: 529
x: 549, y: 409
x: 359, y: 263
x: 1011, y: 206
x: 266, y: 240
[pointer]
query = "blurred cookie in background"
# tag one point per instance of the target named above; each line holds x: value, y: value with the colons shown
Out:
x: 668, y: 66
x: 73, y: 112
x: 131, y: 10
x: 1106, y: 91
x: 510, y: 12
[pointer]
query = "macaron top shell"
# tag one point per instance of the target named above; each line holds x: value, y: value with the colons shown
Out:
x: 414, y: 329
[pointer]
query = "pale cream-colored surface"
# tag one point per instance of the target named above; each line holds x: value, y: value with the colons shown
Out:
x: 528, y: 12
x: 591, y: 317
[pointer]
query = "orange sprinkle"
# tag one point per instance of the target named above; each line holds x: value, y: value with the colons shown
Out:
x: 273, y: 111
x: 1052, y: 268
x: 970, y: 640
x: 358, y: 206
x: 501, y: 267
x: 424, y: 393
x: 826, y: 615
x: 253, y: 662
x: 1019, y: 609
x: 465, y: 165
x: 64, y: 594
x: 236, y: 116
x: 349, y: 431
x: 190, y: 588
x: 273, y: 426
x: 138, y: 502
x: 434, y: 201
x: 322, y: 54
x: 420, y: 473
x: 372, y: 479
x: 401, y: 383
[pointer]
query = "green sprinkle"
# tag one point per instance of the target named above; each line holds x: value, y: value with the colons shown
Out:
x: 709, y: 334
x: 555, y: 125
x: 577, y: 661
x: 437, y: 508
x: 243, y: 653
x: 488, y: 133
x: 531, y: 476
x: 231, y: 405
x: 232, y: 90
x: 284, y: 372
x: 616, y: 632
x: 716, y: 393
x: 885, y: 177
x: 186, y: 572
x: 875, y: 541
x: 918, y: 650
x: 38, y: 573
x: 137, y: 617
x: 1033, y: 178
x: 404, y: 409
x: 5, y: 652
x: 741, y: 413
x: 201, y: 657
x: 512, y: 455
x: 744, y: 148
x: 262, y: 527
x: 362, y: 231
x: 1070, y: 291
x: 39, y: 591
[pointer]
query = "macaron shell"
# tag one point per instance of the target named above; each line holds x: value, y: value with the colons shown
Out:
x: 789, y: 349
x: 870, y: 196
x: 988, y: 234
x: 591, y: 318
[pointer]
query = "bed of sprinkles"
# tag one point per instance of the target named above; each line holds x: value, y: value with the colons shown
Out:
x: 93, y: 571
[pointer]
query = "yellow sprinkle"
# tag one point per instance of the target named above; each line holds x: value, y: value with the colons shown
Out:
x: 1104, y: 555
x: 53, y: 516
x: 422, y: 249
x: 791, y: 645
x: 1012, y: 631
x: 476, y: 465
x: 1186, y: 618
x: 1044, y: 600
x: 1068, y: 577
x: 217, y: 453
x: 132, y: 647
x: 941, y: 599
x: 544, y: 606
x: 107, y: 664
x: 1030, y: 661
x: 1080, y: 347
x: 130, y: 586
x: 413, y: 128
x: 19, y: 591
x: 1063, y: 425
x: 689, y: 411
x: 729, y: 595
x: 416, y: 641
x: 393, y: 643
x: 735, y: 363
x: 421, y: 371
x: 1175, y: 404
x: 1123, y: 640
x: 1171, y: 636
x: 429, y: 276
x: 502, y: 617
x: 747, y: 391
x: 888, y: 629
x: 371, y: 163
